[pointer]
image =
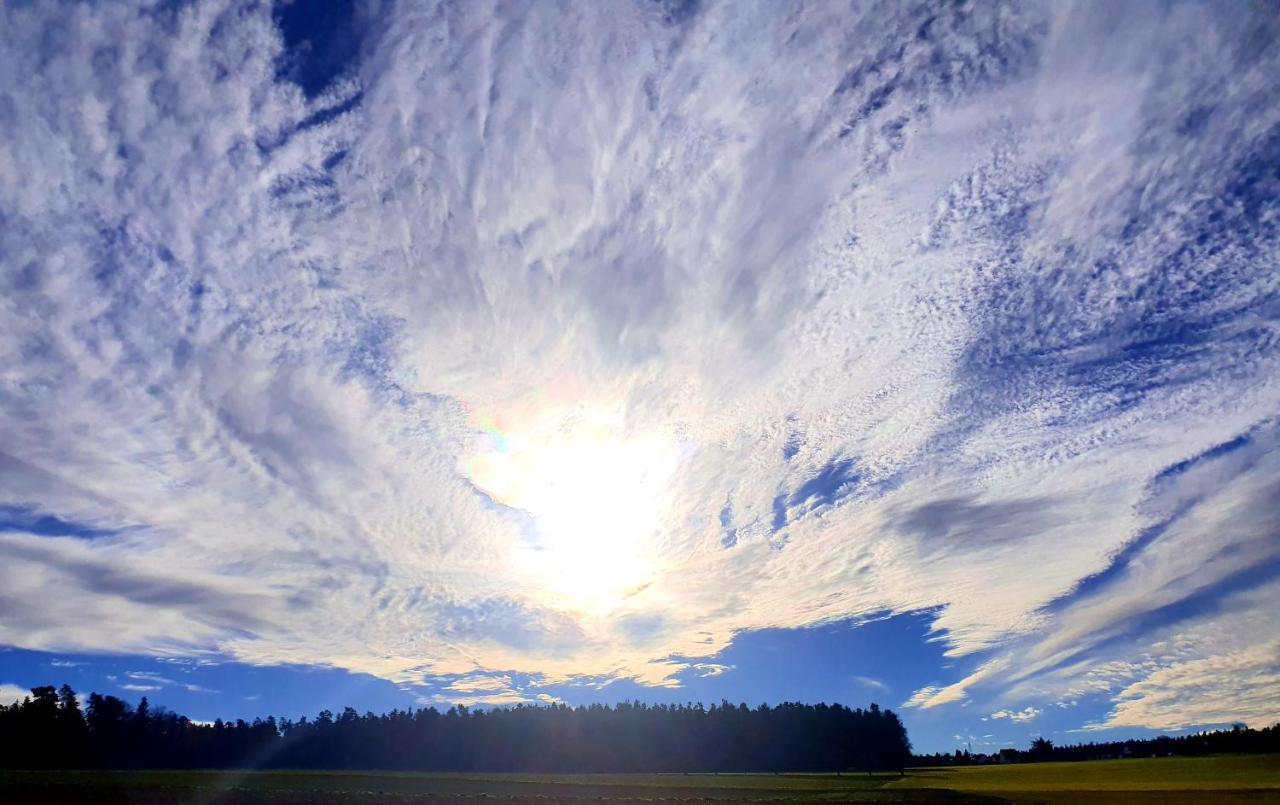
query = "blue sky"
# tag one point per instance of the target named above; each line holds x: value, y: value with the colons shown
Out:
x: 398, y: 354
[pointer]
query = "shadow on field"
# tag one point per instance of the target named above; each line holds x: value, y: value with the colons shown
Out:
x: 917, y: 787
x: 295, y: 788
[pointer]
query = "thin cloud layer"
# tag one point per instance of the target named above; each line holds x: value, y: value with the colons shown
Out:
x: 570, y: 343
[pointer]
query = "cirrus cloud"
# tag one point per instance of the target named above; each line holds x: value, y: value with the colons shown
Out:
x: 969, y: 311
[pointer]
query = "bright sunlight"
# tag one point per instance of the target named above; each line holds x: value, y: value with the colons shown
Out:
x: 595, y: 490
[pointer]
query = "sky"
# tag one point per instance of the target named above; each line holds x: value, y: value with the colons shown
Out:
x: 404, y: 354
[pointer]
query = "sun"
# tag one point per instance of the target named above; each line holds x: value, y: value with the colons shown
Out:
x: 595, y: 489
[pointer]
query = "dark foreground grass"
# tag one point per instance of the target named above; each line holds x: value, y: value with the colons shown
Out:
x: 1243, y: 779
x: 281, y: 787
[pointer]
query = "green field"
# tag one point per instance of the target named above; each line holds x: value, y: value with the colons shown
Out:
x: 1231, y: 778
x: 1234, y: 779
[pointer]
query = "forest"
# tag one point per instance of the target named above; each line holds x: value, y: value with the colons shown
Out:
x: 50, y: 729
x: 1238, y: 740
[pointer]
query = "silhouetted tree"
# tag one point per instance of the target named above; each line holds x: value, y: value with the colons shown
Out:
x: 1238, y: 739
x: 72, y: 743
x: 1041, y: 748
x: 48, y: 729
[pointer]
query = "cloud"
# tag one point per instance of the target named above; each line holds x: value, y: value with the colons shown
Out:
x: 705, y: 669
x: 478, y: 684
x: 1240, y: 686
x: 199, y: 689
x: 871, y: 682
x: 936, y: 695
x: 147, y: 676
x: 1025, y: 714
x: 496, y: 698
x: 915, y: 309
x: 187, y: 662
x: 10, y: 693
x: 1181, y: 601
x: 147, y: 680
x: 1213, y: 670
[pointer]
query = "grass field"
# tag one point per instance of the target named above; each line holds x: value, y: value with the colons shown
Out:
x: 1228, y: 779
x: 1168, y: 781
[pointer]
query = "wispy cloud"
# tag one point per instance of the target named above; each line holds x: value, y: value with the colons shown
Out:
x: 494, y: 698
x: 187, y: 662
x: 147, y: 676
x: 190, y: 688
x: 965, y: 311
x: 871, y: 682
x: 479, y: 684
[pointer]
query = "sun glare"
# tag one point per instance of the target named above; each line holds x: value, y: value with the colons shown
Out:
x: 595, y: 490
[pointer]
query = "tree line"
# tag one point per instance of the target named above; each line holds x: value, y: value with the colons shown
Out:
x: 49, y: 729
x: 1240, y: 739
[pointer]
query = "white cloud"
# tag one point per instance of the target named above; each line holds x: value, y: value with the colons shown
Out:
x: 499, y: 698
x: 1225, y: 688
x: 188, y: 662
x: 936, y: 695
x: 710, y: 668
x: 10, y: 693
x: 267, y: 356
x: 1025, y: 714
x: 1097, y: 643
x: 1216, y: 669
x: 479, y: 684
x: 147, y: 676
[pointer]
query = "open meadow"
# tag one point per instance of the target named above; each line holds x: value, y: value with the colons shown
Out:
x: 1231, y: 779
x: 1224, y: 778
